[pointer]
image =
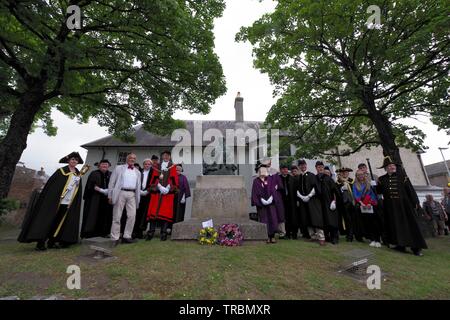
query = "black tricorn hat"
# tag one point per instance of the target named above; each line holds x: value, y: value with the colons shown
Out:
x: 344, y: 169
x: 70, y: 156
x: 319, y: 163
x: 260, y: 165
x: 387, y: 161
x: 302, y: 161
x: 154, y: 157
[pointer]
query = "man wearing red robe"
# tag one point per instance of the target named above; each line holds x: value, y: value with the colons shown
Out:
x: 163, y: 186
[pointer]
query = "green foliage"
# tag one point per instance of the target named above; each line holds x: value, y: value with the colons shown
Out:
x: 8, y: 205
x: 339, y: 81
x: 131, y: 62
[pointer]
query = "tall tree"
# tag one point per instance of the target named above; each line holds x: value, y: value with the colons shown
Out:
x: 131, y: 61
x: 340, y: 77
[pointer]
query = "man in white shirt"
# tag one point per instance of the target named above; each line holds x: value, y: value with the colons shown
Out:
x: 124, y: 192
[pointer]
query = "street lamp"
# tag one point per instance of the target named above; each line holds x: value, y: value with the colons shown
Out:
x: 445, y: 162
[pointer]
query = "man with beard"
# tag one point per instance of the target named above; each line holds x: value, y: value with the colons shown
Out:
x: 56, y: 217
x: 97, y: 213
x: 328, y: 197
x: 400, y: 203
x: 163, y: 187
x: 310, y: 208
x: 289, y: 202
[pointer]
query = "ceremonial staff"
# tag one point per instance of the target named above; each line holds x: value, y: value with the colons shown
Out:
x: 370, y: 169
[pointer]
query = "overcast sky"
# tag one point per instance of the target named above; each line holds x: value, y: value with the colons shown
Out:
x: 236, y: 59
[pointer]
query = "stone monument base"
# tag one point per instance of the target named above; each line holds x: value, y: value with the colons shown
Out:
x: 224, y: 200
x: 189, y: 230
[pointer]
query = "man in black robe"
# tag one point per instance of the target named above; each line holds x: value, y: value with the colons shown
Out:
x: 56, y: 217
x: 328, y: 197
x: 287, y: 193
x: 140, y: 223
x: 400, y: 204
x: 345, y: 202
x: 310, y: 209
x: 97, y: 213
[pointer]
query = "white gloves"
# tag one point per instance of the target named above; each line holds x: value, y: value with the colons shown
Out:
x: 144, y: 193
x: 304, y: 198
x: 373, y: 183
x: 163, y: 190
x: 103, y: 191
x: 333, y: 205
x: 183, y: 199
x: 312, y: 193
x: 267, y: 202
x: 344, y: 188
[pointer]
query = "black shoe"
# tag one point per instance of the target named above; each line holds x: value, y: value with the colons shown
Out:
x: 125, y: 240
x: 52, y: 245
x: 163, y: 236
x: 40, y: 246
x: 417, y: 252
x: 149, y: 236
x: 349, y: 239
x: 400, y: 249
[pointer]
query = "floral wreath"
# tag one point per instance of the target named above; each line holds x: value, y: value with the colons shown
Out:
x: 230, y: 235
x: 208, y: 235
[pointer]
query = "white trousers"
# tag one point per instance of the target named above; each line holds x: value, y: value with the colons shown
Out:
x: 126, y: 200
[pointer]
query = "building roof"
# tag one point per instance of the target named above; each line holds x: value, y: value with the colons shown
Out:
x: 437, y: 169
x: 146, y: 139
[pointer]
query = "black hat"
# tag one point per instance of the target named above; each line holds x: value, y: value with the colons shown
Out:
x: 319, y: 163
x: 260, y: 165
x: 302, y: 161
x: 387, y: 161
x: 284, y: 166
x: 361, y: 165
x: 70, y: 156
x: 344, y: 169
x: 154, y: 157
x: 327, y: 168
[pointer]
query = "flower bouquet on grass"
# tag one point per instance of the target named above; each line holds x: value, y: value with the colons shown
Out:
x: 208, y: 235
x: 230, y: 235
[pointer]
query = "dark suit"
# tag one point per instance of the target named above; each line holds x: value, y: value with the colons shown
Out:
x: 141, y: 214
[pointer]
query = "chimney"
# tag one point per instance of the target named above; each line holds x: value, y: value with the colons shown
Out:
x: 239, y: 108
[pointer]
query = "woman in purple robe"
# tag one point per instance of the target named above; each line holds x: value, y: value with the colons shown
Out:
x: 263, y: 197
x: 182, y: 195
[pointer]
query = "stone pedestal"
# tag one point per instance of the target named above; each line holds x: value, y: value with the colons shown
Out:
x: 224, y: 200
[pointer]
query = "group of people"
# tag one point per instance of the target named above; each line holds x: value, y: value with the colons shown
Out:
x: 126, y: 204
x: 319, y: 208
x: 130, y: 202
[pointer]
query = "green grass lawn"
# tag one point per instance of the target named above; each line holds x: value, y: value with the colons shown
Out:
x: 179, y: 270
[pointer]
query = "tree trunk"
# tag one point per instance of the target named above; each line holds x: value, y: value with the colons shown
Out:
x: 384, y: 129
x: 15, y: 141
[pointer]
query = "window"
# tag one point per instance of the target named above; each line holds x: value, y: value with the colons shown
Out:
x: 122, y: 157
